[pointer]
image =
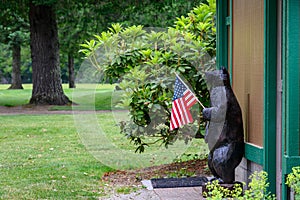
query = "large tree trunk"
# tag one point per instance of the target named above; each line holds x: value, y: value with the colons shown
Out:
x: 16, y: 82
x: 47, y: 84
x: 71, y: 71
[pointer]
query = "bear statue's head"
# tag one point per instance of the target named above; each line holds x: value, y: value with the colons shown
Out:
x: 218, y: 78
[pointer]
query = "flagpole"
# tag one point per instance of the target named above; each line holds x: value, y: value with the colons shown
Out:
x: 189, y: 89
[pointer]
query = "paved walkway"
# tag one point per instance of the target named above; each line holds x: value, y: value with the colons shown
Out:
x: 183, y: 193
x: 190, y: 193
x: 180, y: 193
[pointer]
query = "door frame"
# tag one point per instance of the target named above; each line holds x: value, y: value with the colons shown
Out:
x: 265, y: 156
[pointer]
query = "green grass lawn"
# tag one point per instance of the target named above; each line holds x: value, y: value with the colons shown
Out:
x: 14, y: 97
x: 65, y: 156
x: 87, y: 96
x: 42, y: 157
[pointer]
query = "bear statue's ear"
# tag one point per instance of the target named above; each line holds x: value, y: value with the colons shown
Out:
x: 224, y: 75
x: 224, y: 70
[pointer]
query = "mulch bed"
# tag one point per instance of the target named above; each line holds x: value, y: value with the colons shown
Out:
x: 134, y: 177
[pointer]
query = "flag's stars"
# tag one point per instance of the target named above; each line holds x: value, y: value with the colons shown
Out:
x: 178, y: 89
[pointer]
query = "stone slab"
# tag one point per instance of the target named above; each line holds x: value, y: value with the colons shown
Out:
x: 178, y: 182
x: 190, y: 193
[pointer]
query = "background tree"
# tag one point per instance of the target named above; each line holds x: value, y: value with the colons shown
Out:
x: 47, y: 88
x: 47, y: 85
x: 14, y: 32
x: 80, y: 20
x: 77, y: 21
x: 159, y: 13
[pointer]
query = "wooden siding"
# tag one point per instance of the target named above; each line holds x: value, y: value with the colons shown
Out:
x: 248, y: 64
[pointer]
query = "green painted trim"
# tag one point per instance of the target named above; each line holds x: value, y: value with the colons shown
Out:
x: 254, y: 153
x: 291, y: 78
x: 290, y: 100
x: 228, y: 21
x: 222, y: 41
x: 288, y: 162
x: 230, y: 39
x: 270, y: 89
x: 284, y: 189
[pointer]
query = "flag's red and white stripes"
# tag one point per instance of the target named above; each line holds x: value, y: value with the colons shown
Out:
x: 180, y: 110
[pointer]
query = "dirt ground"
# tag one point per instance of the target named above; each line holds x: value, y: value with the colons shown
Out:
x: 31, y: 110
x: 134, y: 177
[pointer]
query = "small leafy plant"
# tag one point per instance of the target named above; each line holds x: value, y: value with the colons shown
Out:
x: 183, y: 172
x: 186, y: 157
x: 126, y: 189
x: 293, y: 181
x: 216, y: 191
x: 257, y: 189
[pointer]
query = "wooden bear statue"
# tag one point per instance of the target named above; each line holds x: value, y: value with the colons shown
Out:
x: 224, y: 129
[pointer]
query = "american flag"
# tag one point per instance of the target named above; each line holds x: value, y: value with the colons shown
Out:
x: 183, y: 99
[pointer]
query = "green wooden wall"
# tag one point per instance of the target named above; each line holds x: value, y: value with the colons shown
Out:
x: 266, y: 156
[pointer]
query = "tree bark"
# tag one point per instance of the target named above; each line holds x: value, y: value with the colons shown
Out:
x: 16, y: 82
x: 71, y: 71
x: 46, y: 75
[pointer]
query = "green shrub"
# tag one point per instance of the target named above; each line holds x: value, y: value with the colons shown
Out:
x: 293, y: 181
x: 216, y: 191
x: 257, y: 189
x: 144, y: 60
